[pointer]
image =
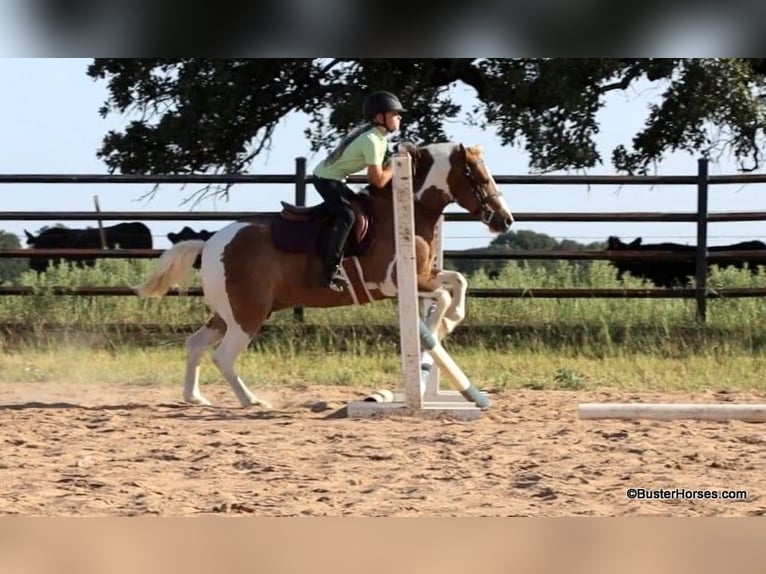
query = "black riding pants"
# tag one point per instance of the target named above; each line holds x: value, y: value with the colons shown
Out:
x: 337, y: 197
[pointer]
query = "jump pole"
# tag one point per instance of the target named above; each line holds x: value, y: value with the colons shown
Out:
x: 421, y: 392
x: 664, y: 411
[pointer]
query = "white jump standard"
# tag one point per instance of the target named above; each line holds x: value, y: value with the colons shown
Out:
x: 448, y: 365
x: 422, y: 394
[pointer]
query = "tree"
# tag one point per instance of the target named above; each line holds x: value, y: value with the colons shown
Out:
x: 522, y: 240
x: 199, y: 115
x: 527, y: 240
x: 11, y: 269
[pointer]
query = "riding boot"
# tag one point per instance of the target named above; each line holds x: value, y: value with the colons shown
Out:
x: 331, y: 272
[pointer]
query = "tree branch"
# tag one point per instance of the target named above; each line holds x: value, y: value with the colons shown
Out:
x: 623, y: 84
x: 448, y: 70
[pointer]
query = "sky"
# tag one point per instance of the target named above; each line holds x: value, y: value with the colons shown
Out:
x: 50, y: 125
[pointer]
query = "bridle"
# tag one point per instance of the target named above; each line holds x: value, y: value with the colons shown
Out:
x: 480, y: 190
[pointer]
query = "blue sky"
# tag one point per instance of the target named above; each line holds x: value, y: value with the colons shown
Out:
x: 51, y: 124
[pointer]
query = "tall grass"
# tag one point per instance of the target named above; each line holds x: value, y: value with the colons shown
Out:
x: 595, y: 327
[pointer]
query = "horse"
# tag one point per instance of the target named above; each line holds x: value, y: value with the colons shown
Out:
x: 256, y: 266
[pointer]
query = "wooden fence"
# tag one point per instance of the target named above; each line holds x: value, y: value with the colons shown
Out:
x: 299, y: 179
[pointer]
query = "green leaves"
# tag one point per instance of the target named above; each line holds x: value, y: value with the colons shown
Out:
x: 710, y: 107
x: 200, y: 115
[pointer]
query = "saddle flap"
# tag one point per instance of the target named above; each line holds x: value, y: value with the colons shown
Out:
x: 299, y: 229
x: 296, y: 212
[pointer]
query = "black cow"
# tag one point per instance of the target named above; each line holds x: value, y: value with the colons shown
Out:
x: 673, y: 273
x: 133, y: 235
x: 186, y: 234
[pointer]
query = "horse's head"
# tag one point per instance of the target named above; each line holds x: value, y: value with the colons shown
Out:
x: 450, y: 172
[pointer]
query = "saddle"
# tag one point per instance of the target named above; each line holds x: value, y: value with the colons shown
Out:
x: 304, y: 229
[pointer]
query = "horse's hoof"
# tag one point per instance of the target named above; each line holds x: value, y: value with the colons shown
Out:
x: 200, y: 401
x: 258, y: 403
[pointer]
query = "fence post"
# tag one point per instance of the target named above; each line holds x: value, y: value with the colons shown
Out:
x: 701, y: 251
x: 300, y: 199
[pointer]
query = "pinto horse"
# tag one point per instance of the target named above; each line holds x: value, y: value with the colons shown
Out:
x: 254, y: 267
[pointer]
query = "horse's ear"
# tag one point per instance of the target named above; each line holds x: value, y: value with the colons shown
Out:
x: 462, y: 150
x: 30, y: 237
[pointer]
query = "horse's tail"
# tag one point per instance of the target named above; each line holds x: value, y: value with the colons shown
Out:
x: 172, y: 268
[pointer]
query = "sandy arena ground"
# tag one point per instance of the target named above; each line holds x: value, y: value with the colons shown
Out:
x: 129, y: 450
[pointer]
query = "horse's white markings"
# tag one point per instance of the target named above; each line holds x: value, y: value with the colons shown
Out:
x: 437, y: 175
x: 214, y: 286
x: 234, y: 342
x: 213, y: 271
x: 388, y: 287
x: 195, y: 347
x: 454, y: 313
x: 435, y: 321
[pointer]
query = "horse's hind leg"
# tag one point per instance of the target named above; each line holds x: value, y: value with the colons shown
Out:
x: 196, y: 345
x: 234, y: 342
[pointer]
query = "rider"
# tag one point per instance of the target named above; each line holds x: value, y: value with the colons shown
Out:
x: 364, y: 146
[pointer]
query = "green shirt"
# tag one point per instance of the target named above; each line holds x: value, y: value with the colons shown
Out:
x: 362, y: 147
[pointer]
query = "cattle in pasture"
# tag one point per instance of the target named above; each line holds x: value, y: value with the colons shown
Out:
x: 675, y: 273
x: 132, y: 235
x: 187, y: 234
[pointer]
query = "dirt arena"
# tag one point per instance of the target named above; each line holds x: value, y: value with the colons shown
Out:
x: 130, y: 450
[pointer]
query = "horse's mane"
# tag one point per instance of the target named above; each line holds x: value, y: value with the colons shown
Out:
x: 422, y: 161
x: 421, y: 164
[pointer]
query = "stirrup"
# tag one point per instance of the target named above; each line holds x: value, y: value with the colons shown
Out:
x: 335, y: 281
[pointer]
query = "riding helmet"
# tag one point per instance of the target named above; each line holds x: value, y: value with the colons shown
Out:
x: 380, y: 103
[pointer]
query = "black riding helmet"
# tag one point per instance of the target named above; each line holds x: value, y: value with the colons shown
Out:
x: 380, y: 103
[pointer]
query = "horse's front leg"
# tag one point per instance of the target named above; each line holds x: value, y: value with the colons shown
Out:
x: 444, y: 310
x: 447, y: 288
x: 457, y: 286
x: 446, y: 291
x: 431, y: 289
x: 436, y: 300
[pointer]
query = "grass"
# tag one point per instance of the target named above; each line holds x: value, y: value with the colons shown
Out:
x: 567, y: 344
x: 597, y: 326
x: 72, y: 363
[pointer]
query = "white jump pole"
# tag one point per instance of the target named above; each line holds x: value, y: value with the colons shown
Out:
x: 662, y: 411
